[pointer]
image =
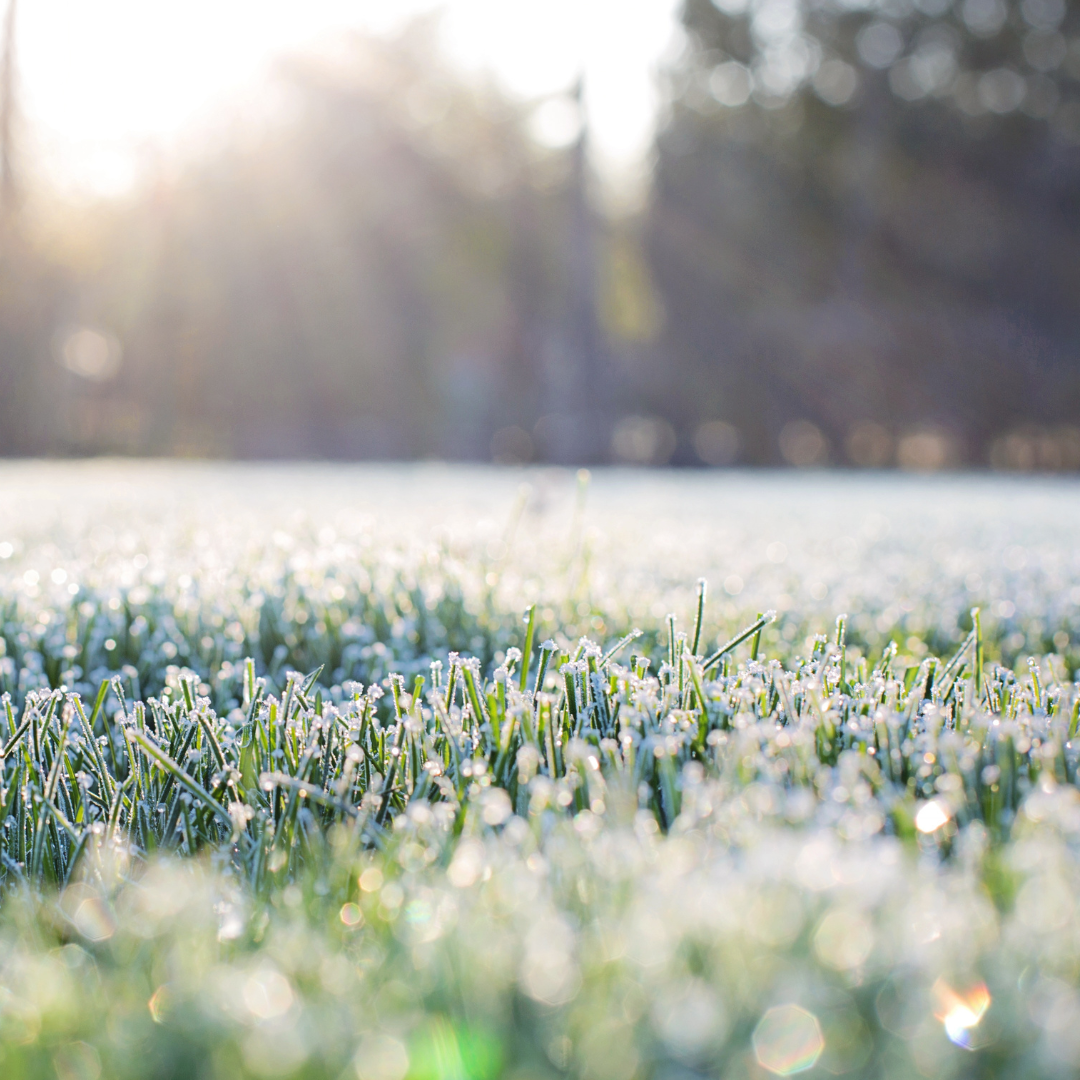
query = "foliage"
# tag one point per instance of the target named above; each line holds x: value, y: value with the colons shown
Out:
x: 859, y: 247
x: 676, y: 854
x: 877, y: 199
x: 269, y: 780
x: 371, y: 267
x: 412, y: 863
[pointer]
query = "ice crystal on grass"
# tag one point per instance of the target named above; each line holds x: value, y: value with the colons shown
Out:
x: 288, y: 788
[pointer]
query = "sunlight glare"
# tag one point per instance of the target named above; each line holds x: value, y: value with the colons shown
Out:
x: 107, y: 86
x: 932, y: 815
x: 960, y: 1012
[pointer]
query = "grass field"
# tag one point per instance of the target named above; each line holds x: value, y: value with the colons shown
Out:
x: 341, y: 772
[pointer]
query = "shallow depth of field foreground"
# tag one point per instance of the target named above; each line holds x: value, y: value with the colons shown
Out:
x: 390, y: 773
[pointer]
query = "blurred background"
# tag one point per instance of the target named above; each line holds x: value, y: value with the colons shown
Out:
x: 711, y: 232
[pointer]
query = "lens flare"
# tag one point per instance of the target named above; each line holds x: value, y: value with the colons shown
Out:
x: 788, y: 1040
x: 960, y: 1012
x: 160, y: 1003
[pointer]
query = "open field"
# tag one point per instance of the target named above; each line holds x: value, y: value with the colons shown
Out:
x: 409, y: 561
x: 419, y: 836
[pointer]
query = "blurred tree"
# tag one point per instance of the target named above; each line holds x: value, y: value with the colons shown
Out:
x: 863, y: 231
x: 7, y: 110
x: 373, y: 268
x: 870, y: 213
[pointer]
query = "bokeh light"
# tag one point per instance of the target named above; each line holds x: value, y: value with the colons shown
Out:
x: 91, y: 354
x: 788, y: 1040
x: 844, y: 939
x: 932, y: 816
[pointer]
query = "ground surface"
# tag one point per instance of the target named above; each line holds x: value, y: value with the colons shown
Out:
x: 884, y: 548
x: 844, y: 849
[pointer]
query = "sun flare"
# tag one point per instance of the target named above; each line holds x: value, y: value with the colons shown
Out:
x: 106, y: 86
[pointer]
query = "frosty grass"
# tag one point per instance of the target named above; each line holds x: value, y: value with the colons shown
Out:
x: 819, y: 818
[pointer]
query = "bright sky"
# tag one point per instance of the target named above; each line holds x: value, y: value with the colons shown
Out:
x: 106, y: 82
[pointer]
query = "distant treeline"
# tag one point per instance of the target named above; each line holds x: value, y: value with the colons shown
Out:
x: 865, y: 228
x: 861, y: 246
